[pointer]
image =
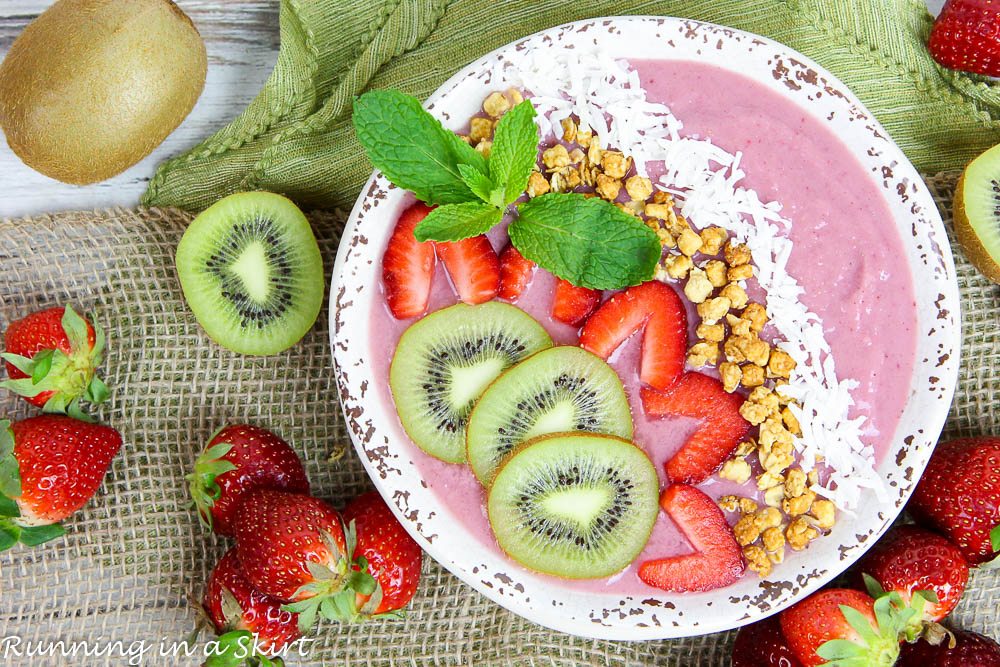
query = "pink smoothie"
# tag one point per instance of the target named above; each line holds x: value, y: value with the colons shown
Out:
x: 847, y: 255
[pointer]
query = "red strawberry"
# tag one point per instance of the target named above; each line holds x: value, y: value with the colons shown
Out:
x: 910, y: 559
x: 572, y: 305
x: 971, y: 650
x: 50, y: 466
x: 515, y: 273
x: 959, y: 496
x: 762, y: 645
x: 389, y: 552
x: 966, y: 36
x: 473, y: 267
x: 655, y: 307
x: 717, y: 561
x: 408, y: 266
x: 839, y: 623
x: 233, y: 604
x: 293, y: 547
x: 51, y: 359
x: 722, y: 429
x: 239, y: 459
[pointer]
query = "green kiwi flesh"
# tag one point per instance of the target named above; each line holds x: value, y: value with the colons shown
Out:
x: 557, y: 390
x: 252, y: 273
x: 977, y: 213
x: 445, y: 361
x: 579, y: 506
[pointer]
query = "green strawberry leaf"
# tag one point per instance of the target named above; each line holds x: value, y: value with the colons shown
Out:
x: 839, y: 649
x: 57, y: 405
x: 455, y: 222
x: 995, y: 538
x: 361, y: 582
x: 588, y: 242
x: 9, y: 508
x: 929, y: 596
x: 35, y: 535
x: 76, y: 330
x: 9, y: 534
x: 481, y: 185
x: 514, y: 151
x: 10, y: 478
x: 42, y: 365
x: 873, y: 586
x: 412, y: 148
x: 860, y: 622
x: 24, y: 387
x: 97, y: 391
x: 231, y: 649
x: 23, y: 364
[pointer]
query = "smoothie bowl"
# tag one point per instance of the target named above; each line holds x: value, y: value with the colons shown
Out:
x: 648, y: 449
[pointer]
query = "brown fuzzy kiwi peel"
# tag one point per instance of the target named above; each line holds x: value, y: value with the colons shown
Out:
x: 91, y: 87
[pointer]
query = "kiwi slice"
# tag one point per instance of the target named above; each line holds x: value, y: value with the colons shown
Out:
x: 445, y: 361
x: 977, y: 213
x: 252, y: 273
x: 579, y: 506
x: 557, y: 390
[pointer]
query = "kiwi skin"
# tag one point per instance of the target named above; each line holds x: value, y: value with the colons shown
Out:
x: 93, y: 86
x: 971, y: 243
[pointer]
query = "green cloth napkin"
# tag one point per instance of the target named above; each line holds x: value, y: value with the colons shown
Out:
x: 296, y: 137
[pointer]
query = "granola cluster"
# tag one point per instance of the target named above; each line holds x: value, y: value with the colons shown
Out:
x: 481, y: 128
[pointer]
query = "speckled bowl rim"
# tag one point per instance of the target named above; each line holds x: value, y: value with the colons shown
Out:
x: 610, y: 615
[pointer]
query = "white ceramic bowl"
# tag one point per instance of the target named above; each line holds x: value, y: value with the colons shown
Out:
x: 374, y: 426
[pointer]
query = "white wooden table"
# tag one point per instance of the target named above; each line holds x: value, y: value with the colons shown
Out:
x: 242, y: 41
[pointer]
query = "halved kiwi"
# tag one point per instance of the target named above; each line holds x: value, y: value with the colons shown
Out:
x: 557, y: 390
x: 977, y: 212
x: 252, y: 273
x: 578, y: 506
x: 445, y: 361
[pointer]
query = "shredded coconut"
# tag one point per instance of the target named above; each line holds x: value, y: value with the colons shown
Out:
x: 606, y: 95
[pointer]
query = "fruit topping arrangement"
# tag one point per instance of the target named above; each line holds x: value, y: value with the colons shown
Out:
x: 480, y: 382
x: 296, y: 559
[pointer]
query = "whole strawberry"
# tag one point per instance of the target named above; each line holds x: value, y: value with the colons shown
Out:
x: 293, y: 547
x: 966, y: 36
x: 959, y: 496
x: 388, y: 552
x: 50, y: 466
x: 233, y: 604
x: 52, y: 356
x: 762, y: 644
x: 927, y: 571
x: 238, y: 459
x: 843, y: 624
x: 971, y: 650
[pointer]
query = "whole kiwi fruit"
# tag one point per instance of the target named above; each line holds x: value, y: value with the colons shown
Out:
x: 93, y: 86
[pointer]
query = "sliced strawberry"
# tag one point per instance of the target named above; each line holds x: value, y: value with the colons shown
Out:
x: 408, y: 266
x: 722, y: 428
x: 572, y: 304
x: 655, y: 307
x: 515, y: 273
x: 717, y: 561
x: 473, y: 267
x: 844, y: 623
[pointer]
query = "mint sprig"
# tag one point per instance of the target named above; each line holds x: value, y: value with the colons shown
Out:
x: 458, y: 221
x: 587, y: 241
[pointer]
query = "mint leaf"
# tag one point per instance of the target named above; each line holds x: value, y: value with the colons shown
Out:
x: 412, y: 148
x: 588, y: 242
x: 457, y: 221
x: 514, y: 151
x: 481, y: 185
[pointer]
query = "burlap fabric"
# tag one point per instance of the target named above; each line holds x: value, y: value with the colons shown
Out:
x: 132, y: 557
